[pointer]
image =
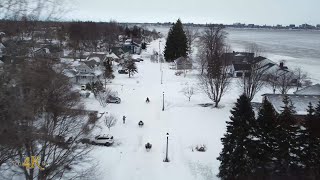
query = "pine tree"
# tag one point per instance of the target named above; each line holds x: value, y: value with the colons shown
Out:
x: 108, y: 71
x: 177, y: 43
x: 309, y: 146
x: 286, y: 131
x: 239, y: 152
x: 266, y: 123
x: 132, y: 68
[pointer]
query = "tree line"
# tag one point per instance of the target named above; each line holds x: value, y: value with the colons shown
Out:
x: 271, y: 146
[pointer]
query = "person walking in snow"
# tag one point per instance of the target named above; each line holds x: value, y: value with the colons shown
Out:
x: 124, y: 119
x: 147, y: 101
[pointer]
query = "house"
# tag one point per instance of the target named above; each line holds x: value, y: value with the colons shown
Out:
x: 183, y: 63
x: 240, y: 70
x: 118, y: 51
x: 132, y: 47
x: 88, y: 71
x: 299, y: 101
x: 310, y: 90
x: 110, y: 57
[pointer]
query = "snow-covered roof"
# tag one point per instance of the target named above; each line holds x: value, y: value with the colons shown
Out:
x: 69, y: 73
x: 300, y: 102
x: 98, y: 72
x: 310, y: 90
x: 94, y: 58
x: 112, y: 55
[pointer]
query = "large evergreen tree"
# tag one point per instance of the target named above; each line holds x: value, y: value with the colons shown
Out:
x: 266, y: 133
x: 286, y: 131
x: 310, y: 145
x: 239, y: 152
x: 177, y: 43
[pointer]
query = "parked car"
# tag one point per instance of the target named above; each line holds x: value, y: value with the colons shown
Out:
x: 105, y: 139
x: 85, y: 94
x: 123, y: 71
x: 83, y: 87
x: 139, y: 59
x: 113, y: 99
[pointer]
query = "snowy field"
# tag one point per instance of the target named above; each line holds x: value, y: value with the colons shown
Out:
x: 188, y: 124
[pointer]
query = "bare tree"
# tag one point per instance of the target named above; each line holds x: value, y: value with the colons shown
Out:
x: 44, y: 118
x: 110, y: 121
x: 252, y: 81
x: 188, y: 92
x: 192, y: 34
x: 285, y: 82
x: 301, y: 77
x: 201, y: 59
x: 102, y: 96
x: 215, y: 81
x: 281, y: 80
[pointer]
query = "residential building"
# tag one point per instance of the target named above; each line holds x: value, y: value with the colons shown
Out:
x: 183, y: 63
x: 310, y: 90
x: 299, y: 101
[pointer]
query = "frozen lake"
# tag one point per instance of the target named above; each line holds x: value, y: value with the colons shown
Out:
x: 297, y: 48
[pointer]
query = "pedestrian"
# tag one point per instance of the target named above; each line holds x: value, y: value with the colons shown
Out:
x: 147, y: 101
x: 124, y: 119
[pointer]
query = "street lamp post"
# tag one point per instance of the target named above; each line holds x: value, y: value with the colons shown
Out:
x: 167, y: 159
x: 161, y: 75
x: 160, y: 56
x: 162, y: 101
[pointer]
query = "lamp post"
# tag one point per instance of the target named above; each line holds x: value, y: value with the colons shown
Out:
x: 161, y: 75
x: 162, y: 101
x: 167, y: 159
x: 159, y: 56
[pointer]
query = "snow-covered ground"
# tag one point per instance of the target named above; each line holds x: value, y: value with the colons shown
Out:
x: 187, y: 123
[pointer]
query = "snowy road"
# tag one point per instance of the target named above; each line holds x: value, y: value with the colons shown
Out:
x: 187, y: 123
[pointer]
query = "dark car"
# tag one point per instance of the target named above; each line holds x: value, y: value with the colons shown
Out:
x: 113, y: 99
x: 139, y: 59
x: 123, y: 71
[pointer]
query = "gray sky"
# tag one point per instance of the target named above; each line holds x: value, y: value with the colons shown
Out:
x: 270, y: 12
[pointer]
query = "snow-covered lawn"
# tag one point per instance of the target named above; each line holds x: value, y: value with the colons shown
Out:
x: 187, y: 123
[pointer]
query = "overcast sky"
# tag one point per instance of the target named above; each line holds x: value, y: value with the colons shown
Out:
x: 269, y: 12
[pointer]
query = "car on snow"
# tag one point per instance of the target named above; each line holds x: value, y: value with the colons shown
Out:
x: 113, y: 99
x: 137, y: 60
x: 123, y: 71
x: 105, y: 139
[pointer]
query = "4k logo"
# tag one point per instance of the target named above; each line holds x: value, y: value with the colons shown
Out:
x: 31, y: 163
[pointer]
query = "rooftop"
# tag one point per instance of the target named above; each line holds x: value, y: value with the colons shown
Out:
x: 310, y: 90
x: 300, y: 102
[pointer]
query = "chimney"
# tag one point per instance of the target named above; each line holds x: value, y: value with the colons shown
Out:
x: 281, y: 65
